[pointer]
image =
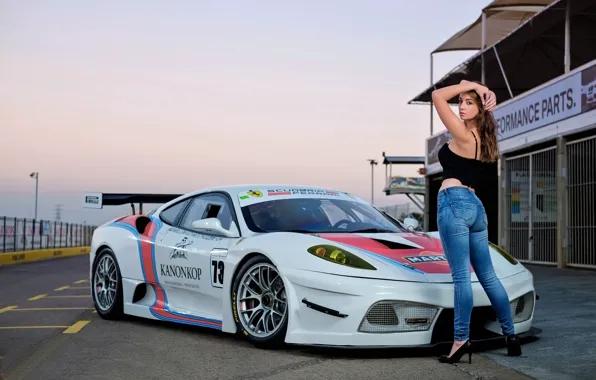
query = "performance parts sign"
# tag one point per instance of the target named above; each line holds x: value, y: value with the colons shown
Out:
x: 561, y: 100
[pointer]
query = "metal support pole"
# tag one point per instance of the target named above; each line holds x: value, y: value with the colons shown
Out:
x: 567, y: 58
x: 417, y: 202
x: 561, y: 202
x: 431, y: 101
x: 372, y: 180
x: 501, y: 201
x: 503, y: 71
x: 35, y: 175
x: 483, y: 46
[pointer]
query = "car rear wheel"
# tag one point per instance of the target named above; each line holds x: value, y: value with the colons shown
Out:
x: 259, y: 303
x: 107, y: 285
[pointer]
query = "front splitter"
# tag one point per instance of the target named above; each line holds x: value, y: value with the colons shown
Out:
x: 533, y: 332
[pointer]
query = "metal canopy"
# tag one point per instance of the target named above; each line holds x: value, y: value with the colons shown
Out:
x: 403, y: 159
x: 501, y: 17
x: 531, y: 55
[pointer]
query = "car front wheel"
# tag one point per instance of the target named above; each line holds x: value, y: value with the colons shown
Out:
x: 259, y: 303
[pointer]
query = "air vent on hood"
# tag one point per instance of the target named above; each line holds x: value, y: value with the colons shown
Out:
x: 393, y: 245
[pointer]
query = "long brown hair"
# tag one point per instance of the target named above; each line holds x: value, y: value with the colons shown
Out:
x: 487, y: 128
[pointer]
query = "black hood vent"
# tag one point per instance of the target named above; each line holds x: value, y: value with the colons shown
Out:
x: 393, y: 245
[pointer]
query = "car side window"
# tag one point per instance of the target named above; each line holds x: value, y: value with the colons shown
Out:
x: 208, y: 206
x: 170, y: 215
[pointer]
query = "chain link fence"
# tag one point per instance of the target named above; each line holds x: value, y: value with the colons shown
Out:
x: 21, y: 234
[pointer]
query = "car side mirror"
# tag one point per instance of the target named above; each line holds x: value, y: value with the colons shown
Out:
x: 411, y: 223
x: 212, y: 225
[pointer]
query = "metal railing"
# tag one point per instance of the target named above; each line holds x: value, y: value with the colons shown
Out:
x: 531, y: 198
x: 21, y: 234
x: 404, y: 210
x: 581, y: 203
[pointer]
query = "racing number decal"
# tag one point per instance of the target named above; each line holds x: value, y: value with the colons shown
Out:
x: 217, y: 273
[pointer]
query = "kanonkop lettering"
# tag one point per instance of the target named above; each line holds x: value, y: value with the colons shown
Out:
x: 181, y: 271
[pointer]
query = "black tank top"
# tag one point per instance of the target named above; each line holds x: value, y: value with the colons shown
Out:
x: 466, y: 170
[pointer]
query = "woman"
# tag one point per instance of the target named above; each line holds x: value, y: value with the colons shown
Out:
x: 461, y: 216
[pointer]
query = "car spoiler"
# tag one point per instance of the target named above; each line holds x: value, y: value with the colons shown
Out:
x: 98, y: 200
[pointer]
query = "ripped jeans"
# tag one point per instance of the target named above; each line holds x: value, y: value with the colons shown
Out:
x: 464, y: 235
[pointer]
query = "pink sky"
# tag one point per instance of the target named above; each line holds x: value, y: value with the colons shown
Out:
x: 176, y: 96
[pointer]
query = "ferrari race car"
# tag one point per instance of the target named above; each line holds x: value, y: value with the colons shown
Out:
x: 288, y: 265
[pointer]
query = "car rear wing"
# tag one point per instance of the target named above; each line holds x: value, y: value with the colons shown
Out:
x: 98, y: 200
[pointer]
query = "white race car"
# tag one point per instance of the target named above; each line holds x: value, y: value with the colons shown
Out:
x: 288, y: 264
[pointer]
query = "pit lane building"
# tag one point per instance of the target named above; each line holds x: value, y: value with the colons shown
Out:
x: 540, y: 59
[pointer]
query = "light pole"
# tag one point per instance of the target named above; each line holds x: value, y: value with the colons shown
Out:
x: 36, y: 176
x: 372, y: 180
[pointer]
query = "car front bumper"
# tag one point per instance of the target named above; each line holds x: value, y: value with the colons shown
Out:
x: 339, y: 311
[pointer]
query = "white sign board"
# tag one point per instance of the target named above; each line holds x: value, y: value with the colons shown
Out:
x: 93, y: 200
x: 548, y: 105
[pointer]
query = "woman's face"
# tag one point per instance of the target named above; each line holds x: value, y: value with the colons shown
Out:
x: 468, y: 107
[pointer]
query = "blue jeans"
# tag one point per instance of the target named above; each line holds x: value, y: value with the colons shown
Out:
x: 463, y: 229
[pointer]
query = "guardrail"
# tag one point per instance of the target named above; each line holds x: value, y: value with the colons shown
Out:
x: 22, y: 234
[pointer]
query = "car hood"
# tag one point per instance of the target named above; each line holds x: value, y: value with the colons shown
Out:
x: 409, y: 256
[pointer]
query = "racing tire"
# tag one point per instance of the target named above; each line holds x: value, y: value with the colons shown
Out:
x: 110, y: 305
x: 272, y: 299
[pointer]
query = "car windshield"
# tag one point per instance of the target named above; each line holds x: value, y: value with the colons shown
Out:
x: 317, y: 215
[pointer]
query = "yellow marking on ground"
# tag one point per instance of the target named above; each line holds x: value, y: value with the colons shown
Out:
x: 51, y: 308
x: 61, y: 288
x: 41, y: 254
x: 32, y: 327
x: 76, y: 327
x: 40, y: 296
x: 80, y: 282
x: 79, y: 287
x: 76, y: 296
x: 8, y: 308
x: 94, y: 311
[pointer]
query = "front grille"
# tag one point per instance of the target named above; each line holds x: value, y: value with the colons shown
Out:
x: 397, y: 316
x: 522, y: 307
x: 382, y: 314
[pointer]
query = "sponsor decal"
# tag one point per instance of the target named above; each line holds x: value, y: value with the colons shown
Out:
x: 426, y: 258
x: 179, y: 251
x: 274, y: 192
x: 255, y: 193
x: 179, y: 271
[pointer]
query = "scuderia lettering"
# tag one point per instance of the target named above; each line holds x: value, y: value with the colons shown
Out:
x: 179, y: 271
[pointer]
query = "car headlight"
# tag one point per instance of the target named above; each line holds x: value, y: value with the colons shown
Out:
x: 503, y: 253
x: 339, y: 256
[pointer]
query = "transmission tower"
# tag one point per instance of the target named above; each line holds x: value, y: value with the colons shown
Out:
x: 58, y: 212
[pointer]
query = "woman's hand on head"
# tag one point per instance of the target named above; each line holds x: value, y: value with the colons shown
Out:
x: 490, y: 101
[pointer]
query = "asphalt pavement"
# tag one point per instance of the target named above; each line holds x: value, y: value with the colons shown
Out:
x: 48, y: 330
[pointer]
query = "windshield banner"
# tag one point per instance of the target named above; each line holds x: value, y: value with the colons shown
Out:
x: 264, y: 195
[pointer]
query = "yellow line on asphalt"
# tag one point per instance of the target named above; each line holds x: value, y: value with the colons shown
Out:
x: 38, y: 297
x: 8, y: 308
x: 51, y: 308
x: 32, y: 327
x: 76, y: 327
x: 77, y: 296
x: 80, y: 287
x: 80, y: 281
x: 61, y: 288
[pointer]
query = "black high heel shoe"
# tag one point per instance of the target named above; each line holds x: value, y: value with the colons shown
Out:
x: 457, y: 355
x: 513, y: 345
